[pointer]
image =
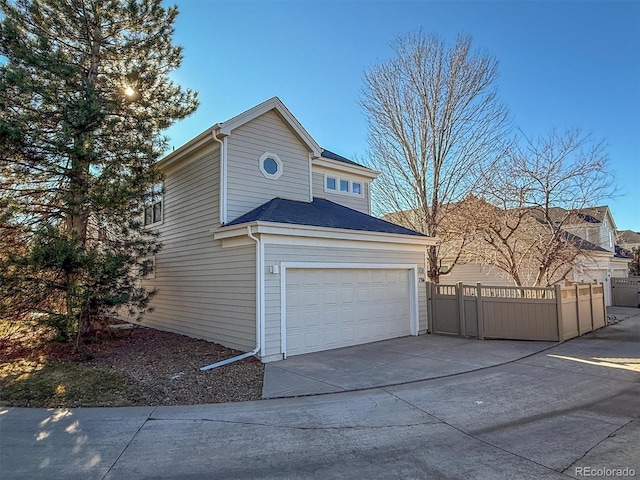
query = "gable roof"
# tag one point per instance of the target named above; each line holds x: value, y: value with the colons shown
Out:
x: 276, y: 104
x: 339, y: 158
x: 582, y: 244
x: 582, y: 216
x: 621, y: 252
x: 225, y: 129
x: 332, y: 160
x: 319, y: 213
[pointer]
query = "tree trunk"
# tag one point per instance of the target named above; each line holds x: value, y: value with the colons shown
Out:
x: 434, y: 268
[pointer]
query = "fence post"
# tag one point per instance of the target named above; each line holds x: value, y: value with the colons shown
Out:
x: 480, y: 312
x: 577, y: 288
x: 429, y: 308
x: 559, y: 313
x: 604, y: 307
x: 462, y: 329
x: 591, y: 303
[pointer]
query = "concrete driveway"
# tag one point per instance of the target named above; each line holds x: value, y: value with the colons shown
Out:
x: 390, y: 362
x: 572, y: 411
x: 395, y: 362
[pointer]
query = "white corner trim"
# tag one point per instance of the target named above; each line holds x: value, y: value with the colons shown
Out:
x: 283, y: 310
x: 415, y: 305
x: 262, y: 332
x: 310, y: 178
x: 223, y: 177
x: 413, y: 287
x: 275, y: 158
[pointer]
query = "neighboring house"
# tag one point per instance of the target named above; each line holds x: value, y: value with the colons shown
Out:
x: 596, y: 225
x: 628, y: 239
x: 592, y: 229
x: 269, y: 245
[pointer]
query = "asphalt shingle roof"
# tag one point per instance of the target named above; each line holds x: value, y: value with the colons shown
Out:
x: 579, y: 216
x: 622, y: 252
x: 628, y: 236
x: 339, y: 158
x: 581, y: 243
x: 319, y: 213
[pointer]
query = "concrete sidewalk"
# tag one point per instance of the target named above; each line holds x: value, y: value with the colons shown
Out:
x: 571, y: 409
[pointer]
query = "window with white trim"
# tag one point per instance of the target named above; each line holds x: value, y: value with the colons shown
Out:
x: 153, y: 205
x: 270, y: 165
x: 343, y: 186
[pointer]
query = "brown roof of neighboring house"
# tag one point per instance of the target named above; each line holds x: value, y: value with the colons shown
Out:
x: 627, y: 236
x: 593, y: 215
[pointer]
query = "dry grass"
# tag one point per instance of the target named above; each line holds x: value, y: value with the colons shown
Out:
x: 137, y: 366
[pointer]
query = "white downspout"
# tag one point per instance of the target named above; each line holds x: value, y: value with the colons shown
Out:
x: 258, y: 309
x: 223, y: 176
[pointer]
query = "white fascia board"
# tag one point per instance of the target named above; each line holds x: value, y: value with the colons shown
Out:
x: 594, y: 261
x: 613, y: 223
x: 323, y: 242
x: 345, y: 167
x: 291, y: 230
x: 272, y: 104
x: 189, y: 147
x: 596, y: 253
x: 621, y: 262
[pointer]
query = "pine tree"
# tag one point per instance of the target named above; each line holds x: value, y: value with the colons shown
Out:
x: 85, y: 94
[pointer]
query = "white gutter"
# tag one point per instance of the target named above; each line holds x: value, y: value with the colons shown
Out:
x: 259, y: 310
x: 346, y: 167
x: 223, y: 175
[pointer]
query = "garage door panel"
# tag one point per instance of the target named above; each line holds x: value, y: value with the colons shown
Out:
x: 332, y: 308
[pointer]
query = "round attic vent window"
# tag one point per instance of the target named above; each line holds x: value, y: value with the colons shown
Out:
x: 270, y: 165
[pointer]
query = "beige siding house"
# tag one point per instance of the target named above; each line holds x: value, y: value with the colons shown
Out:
x: 599, y: 263
x: 269, y: 246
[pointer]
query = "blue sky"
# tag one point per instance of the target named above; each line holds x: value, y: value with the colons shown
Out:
x: 562, y: 64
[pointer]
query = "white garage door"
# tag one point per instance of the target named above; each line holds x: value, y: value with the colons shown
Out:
x: 332, y: 308
x: 600, y: 276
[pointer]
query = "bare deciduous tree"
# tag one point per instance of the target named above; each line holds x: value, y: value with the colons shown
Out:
x: 434, y: 122
x: 539, y: 190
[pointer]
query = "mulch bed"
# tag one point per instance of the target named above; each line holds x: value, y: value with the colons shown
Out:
x: 163, y: 367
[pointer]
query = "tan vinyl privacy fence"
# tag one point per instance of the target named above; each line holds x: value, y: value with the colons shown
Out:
x: 519, y: 313
x: 625, y: 291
